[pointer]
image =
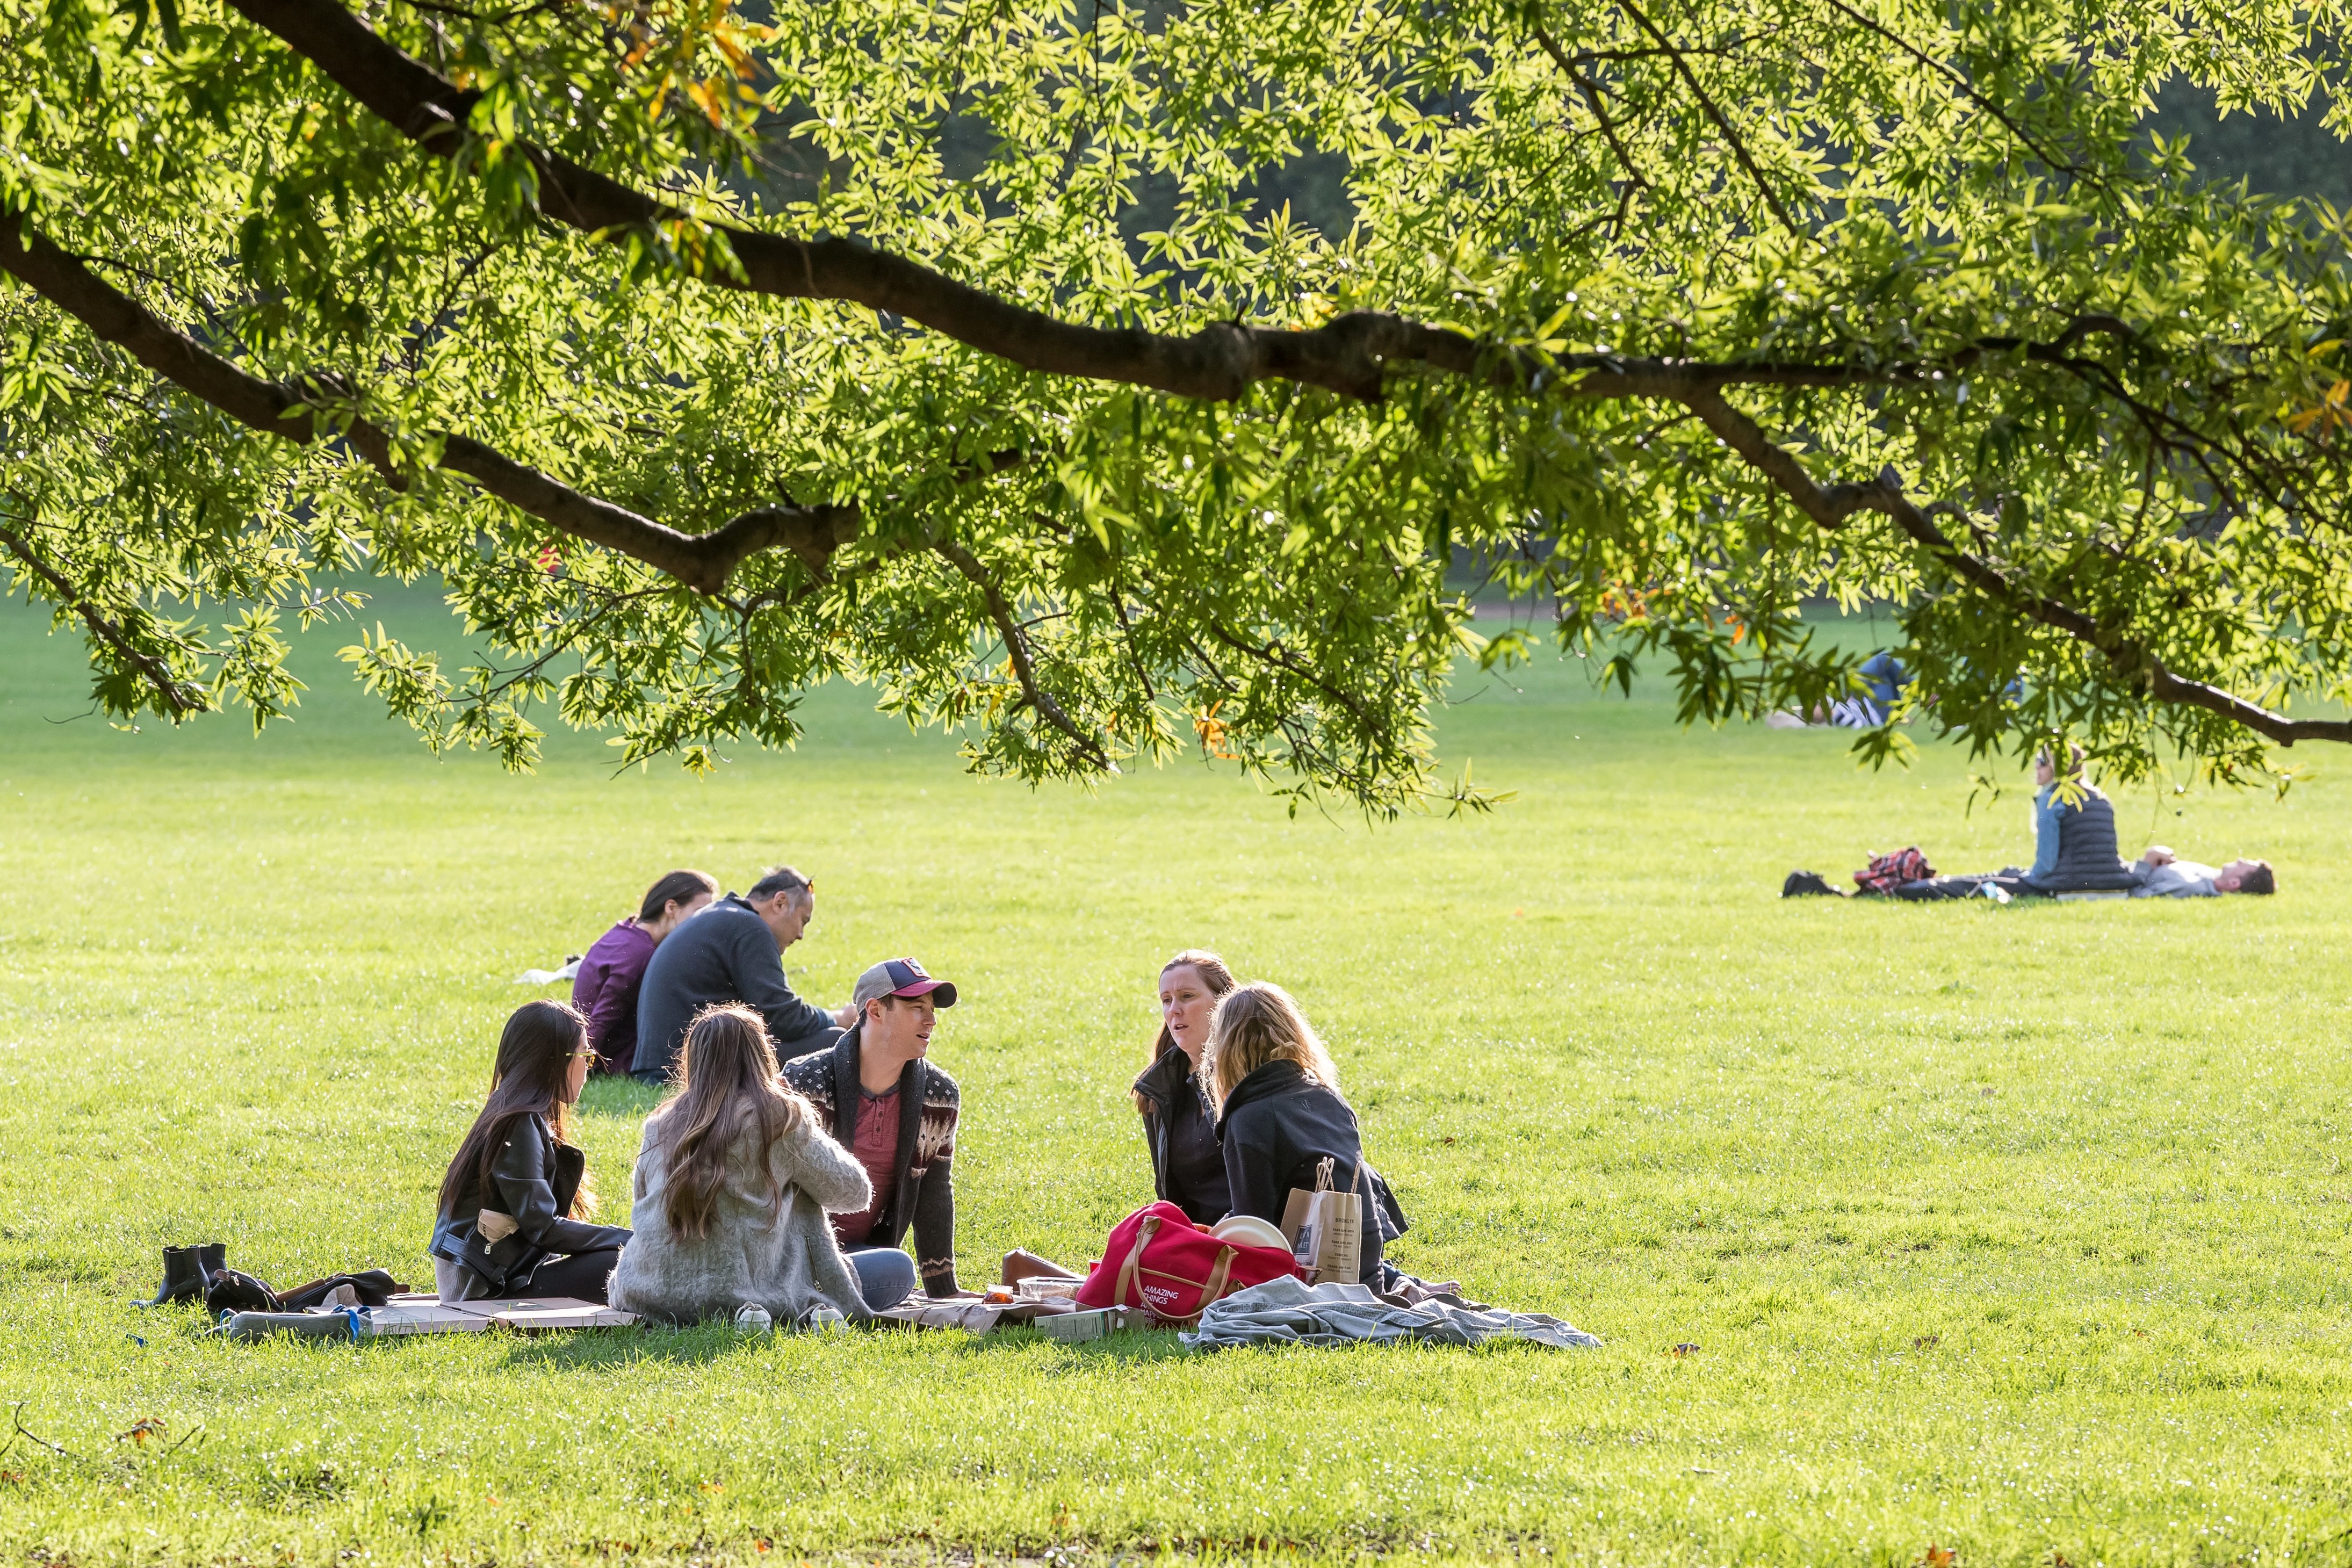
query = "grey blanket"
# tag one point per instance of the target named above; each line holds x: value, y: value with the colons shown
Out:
x: 1289, y: 1312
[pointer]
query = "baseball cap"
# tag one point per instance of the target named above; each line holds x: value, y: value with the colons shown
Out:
x: 901, y: 977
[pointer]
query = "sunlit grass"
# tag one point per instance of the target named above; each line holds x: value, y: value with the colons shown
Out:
x: 2007, y: 1231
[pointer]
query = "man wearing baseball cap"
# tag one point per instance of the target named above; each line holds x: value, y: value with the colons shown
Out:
x: 895, y: 1111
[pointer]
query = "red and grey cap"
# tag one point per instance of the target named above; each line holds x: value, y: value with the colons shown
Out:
x: 902, y: 977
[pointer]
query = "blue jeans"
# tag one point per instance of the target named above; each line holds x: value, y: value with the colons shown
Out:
x: 885, y: 1276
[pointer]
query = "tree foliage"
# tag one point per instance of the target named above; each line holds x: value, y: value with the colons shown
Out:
x: 956, y: 347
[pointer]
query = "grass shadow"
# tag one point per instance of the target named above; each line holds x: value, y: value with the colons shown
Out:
x: 707, y: 1342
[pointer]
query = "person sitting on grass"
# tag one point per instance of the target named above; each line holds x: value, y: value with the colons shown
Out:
x: 2160, y: 873
x: 733, y: 952
x: 895, y: 1111
x: 516, y: 1199
x: 1180, y: 1129
x: 2073, y: 834
x: 606, y: 988
x: 733, y: 1184
x: 1280, y: 1113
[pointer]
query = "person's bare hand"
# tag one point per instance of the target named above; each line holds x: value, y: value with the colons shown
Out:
x: 2158, y: 855
x: 845, y: 1016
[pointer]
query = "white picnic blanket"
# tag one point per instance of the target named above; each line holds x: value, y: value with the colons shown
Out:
x: 1290, y: 1312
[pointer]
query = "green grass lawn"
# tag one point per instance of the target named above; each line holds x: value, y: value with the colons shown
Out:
x: 2015, y: 1232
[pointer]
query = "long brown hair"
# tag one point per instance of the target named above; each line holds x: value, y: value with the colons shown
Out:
x: 535, y: 1052
x: 727, y: 1084
x: 1256, y: 1024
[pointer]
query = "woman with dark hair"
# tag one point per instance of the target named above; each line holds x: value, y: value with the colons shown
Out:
x: 515, y: 1200
x: 606, y: 988
x: 1188, y: 1169
x: 733, y: 1187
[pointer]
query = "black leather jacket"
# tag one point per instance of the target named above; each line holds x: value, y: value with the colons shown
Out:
x: 534, y: 1180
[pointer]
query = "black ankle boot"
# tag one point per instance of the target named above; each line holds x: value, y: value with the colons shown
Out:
x: 211, y: 1256
x: 182, y: 1280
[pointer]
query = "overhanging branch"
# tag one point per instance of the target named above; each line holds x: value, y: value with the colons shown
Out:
x: 1016, y: 650
x: 181, y: 699
x: 1349, y: 355
x: 1831, y: 506
x: 700, y: 561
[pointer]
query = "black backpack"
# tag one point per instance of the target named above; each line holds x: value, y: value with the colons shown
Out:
x: 1809, y: 884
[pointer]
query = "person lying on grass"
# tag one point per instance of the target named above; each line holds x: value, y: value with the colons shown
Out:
x: 733, y: 952
x: 613, y: 970
x: 516, y: 1199
x: 733, y: 1186
x: 895, y: 1111
x: 2160, y: 873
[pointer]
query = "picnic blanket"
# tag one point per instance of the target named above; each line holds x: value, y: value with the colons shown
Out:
x: 416, y: 1313
x: 1290, y: 1312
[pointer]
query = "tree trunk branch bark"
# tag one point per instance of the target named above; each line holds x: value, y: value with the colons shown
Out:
x: 1349, y: 355
x: 701, y: 561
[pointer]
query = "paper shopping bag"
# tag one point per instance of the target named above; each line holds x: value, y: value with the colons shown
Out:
x: 1326, y: 1230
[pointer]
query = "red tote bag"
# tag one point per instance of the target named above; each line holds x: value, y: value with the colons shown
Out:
x: 1157, y: 1259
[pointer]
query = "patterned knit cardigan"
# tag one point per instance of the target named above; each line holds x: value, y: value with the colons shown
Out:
x: 925, y: 1195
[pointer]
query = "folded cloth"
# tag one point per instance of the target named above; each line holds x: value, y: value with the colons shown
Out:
x: 1290, y: 1312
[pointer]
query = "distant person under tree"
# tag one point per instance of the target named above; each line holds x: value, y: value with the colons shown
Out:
x: 733, y: 952
x: 2074, y: 838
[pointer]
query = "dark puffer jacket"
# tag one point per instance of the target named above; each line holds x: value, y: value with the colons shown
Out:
x: 2088, y: 861
x: 1277, y: 1125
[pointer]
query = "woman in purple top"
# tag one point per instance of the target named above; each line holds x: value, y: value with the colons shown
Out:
x: 605, y: 989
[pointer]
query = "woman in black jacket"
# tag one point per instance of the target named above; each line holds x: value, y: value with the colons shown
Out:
x: 1279, y: 1114
x: 515, y: 1200
x: 1180, y: 1128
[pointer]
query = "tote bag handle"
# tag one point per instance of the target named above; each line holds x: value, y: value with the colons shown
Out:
x: 1134, y: 1264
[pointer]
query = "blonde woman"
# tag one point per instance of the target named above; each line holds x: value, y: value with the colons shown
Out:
x: 1279, y: 1114
x: 1180, y: 1128
x: 732, y: 1189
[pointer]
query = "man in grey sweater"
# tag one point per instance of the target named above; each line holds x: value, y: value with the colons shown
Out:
x: 733, y: 952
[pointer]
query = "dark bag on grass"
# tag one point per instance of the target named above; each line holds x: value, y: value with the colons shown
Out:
x: 233, y: 1290
x: 1810, y: 885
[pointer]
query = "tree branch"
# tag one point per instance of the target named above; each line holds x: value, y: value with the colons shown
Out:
x: 1221, y: 361
x: 1967, y: 91
x: 1591, y: 96
x: 1739, y: 148
x: 181, y: 700
x: 2133, y: 659
x: 1016, y: 649
x: 701, y: 561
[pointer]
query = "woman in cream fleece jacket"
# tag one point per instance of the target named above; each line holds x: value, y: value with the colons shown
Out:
x: 732, y: 1186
